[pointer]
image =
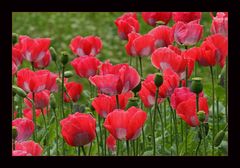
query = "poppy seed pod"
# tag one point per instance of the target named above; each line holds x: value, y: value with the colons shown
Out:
x: 14, y: 133
x: 132, y: 102
x: 196, y: 86
x: 68, y: 74
x: 218, y: 138
x: 54, y: 54
x: 158, y: 80
x: 64, y: 58
x: 14, y: 38
x: 53, y: 103
x: 19, y: 91
x: 201, y: 116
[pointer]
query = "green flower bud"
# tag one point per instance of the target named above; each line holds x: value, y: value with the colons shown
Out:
x: 196, y: 86
x: 53, y: 103
x: 132, y: 102
x: 137, y: 88
x: 201, y: 116
x: 218, y: 138
x: 64, y: 58
x: 19, y: 91
x: 14, y: 133
x: 14, y: 38
x: 68, y: 74
x: 53, y: 54
x: 158, y: 80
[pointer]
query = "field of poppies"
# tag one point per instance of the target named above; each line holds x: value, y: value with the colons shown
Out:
x: 120, y: 84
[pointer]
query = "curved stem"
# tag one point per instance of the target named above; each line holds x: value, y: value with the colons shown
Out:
x: 84, y: 153
x: 213, y: 109
x: 199, y: 143
x: 56, y: 120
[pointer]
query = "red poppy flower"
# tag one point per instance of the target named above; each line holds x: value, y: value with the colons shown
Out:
x: 78, y: 129
x: 123, y: 99
x: 85, y: 66
x: 17, y: 56
x: 164, y: 58
x: 34, y: 50
x: 74, y: 90
x: 220, y: 24
x: 187, y: 110
x: 44, y: 62
x: 186, y: 16
x: 126, y: 24
x: 125, y: 125
x: 148, y: 90
x: 30, y: 147
x: 90, y: 45
x: 14, y: 68
x: 213, y: 50
x: 25, y: 128
x: 111, y: 143
x: 41, y: 99
x: 140, y: 45
x: 51, y: 83
x: 163, y: 36
x: 182, y: 94
x: 27, y: 113
x: 20, y: 153
x: 187, y: 33
x: 152, y: 17
x: 170, y: 82
x: 121, y: 78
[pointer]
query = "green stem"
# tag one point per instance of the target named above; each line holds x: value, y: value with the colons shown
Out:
x: 90, y: 149
x: 137, y: 147
x: 143, y: 138
x: 117, y: 100
x: 62, y: 106
x: 90, y: 89
x: 136, y: 63
x: 78, y: 151
x: 84, y: 153
x: 226, y: 90
x: 127, y: 142
x: 46, y: 138
x: 105, y: 145
x: 140, y: 62
x: 213, y: 109
x: 98, y: 143
x: 162, y: 129
x: 204, y: 139
x: 118, y: 146
x: 100, y: 129
x: 218, y: 114
x: 56, y: 120
x: 182, y: 130
x: 186, y: 138
x: 154, y: 121
x: 175, y: 125
x: 133, y: 145
x: 130, y: 60
x: 199, y: 143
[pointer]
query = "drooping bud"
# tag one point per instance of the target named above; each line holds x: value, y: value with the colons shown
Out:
x: 53, y: 54
x: 158, y: 80
x: 68, y: 74
x: 19, y: 91
x: 53, y: 103
x: 14, y: 38
x: 137, y: 88
x: 196, y: 86
x: 64, y: 58
x: 201, y: 116
x: 132, y: 102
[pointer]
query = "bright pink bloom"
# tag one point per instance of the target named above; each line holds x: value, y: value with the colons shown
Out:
x: 140, y: 45
x: 187, y: 110
x: 125, y: 125
x: 78, y: 129
x: 187, y: 33
x: 17, y: 56
x: 41, y: 99
x: 85, y: 66
x: 115, y: 79
x: 34, y: 50
x: 90, y: 45
x: 152, y: 17
x: 74, y: 90
x: 123, y: 99
x: 220, y: 24
x: 186, y: 16
x: 25, y: 128
x: 213, y: 50
x: 111, y: 143
x: 30, y: 147
x: 14, y: 68
x: 20, y: 153
x: 126, y: 24
x: 27, y: 113
x: 44, y: 62
x: 162, y: 35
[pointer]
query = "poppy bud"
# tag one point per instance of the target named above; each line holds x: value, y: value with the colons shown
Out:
x: 14, y: 38
x: 64, y: 59
x: 137, y: 88
x: 68, y: 74
x: 53, y: 101
x: 158, y: 80
x: 218, y: 138
x: 201, y: 116
x: 53, y: 54
x: 14, y: 133
x: 196, y: 86
x: 19, y: 91
x: 132, y: 102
